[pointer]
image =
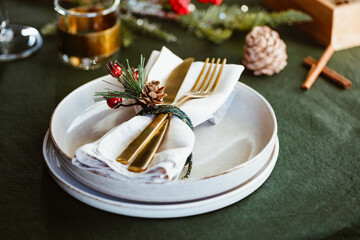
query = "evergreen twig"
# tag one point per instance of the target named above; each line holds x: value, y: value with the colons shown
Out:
x: 127, y: 36
x: 144, y: 26
x: 217, y: 23
x: 132, y: 85
x: 48, y: 29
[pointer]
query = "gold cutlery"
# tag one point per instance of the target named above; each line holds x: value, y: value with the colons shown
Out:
x: 172, y: 86
x: 203, y: 87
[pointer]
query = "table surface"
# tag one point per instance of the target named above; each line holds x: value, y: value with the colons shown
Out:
x: 313, y: 192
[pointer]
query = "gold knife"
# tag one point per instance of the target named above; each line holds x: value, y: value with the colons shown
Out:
x: 146, y: 155
x: 172, y: 86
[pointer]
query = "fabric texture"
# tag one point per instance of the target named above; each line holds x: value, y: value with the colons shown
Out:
x: 312, y: 193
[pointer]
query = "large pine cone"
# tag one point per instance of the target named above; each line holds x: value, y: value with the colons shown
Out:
x: 152, y: 94
x: 264, y: 51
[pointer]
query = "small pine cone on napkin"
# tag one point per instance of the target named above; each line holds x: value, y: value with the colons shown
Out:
x: 152, y: 94
x: 264, y: 51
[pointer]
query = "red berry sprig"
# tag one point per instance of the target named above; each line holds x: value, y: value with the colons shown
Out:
x: 114, y: 69
x: 132, y: 82
x: 114, y: 102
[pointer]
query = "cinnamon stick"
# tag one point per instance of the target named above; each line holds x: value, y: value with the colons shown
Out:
x: 330, y: 74
x: 315, y: 72
x: 312, y: 68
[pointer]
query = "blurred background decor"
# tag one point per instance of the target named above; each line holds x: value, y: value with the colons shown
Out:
x: 16, y: 41
x: 213, y: 22
x: 336, y: 25
x: 88, y: 32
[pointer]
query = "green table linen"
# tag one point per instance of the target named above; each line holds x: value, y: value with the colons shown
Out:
x: 313, y: 192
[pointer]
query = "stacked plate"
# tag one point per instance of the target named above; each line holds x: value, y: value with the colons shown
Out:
x: 231, y: 159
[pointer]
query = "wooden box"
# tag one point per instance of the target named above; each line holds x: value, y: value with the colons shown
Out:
x: 338, y: 25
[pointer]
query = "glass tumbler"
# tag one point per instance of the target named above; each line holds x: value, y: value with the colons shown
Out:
x: 88, y: 31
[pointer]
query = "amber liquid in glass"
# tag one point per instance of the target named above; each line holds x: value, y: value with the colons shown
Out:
x: 83, y: 42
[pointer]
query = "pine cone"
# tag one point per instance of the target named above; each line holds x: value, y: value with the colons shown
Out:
x: 152, y: 94
x: 264, y: 51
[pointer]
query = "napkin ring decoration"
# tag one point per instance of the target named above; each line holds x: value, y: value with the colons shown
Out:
x: 171, y: 109
x: 149, y: 95
x: 134, y: 85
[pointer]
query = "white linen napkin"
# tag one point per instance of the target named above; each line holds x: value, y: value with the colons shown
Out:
x: 100, y: 156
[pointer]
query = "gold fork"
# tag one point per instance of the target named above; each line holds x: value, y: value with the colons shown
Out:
x: 203, y: 87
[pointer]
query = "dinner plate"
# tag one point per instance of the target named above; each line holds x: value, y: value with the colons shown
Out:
x: 148, y: 209
x: 225, y: 155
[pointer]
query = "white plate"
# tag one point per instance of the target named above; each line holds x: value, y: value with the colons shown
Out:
x: 225, y: 155
x: 147, y: 209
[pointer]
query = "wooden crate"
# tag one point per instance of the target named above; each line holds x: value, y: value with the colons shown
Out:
x: 338, y: 25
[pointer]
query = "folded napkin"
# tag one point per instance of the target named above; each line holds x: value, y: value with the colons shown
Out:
x: 100, y: 156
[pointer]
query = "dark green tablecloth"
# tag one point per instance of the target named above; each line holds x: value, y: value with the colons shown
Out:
x: 313, y: 192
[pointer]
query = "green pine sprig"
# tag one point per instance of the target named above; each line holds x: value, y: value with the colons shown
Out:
x: 217, y: 23
x: 144, y: 26
x: 131, y: 84
x: 127, y: 36
x: 48, y: 29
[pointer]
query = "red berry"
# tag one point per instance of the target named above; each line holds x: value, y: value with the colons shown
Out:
x: 216, y: 2
x: 135, y: 74
x: 114, y: 102
x: 180, y: 6
x: 114, y: 69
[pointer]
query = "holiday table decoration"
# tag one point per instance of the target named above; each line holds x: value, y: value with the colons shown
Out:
x: 218, y: 23
x: 167, y: 68
x: 330, y: 74
x: 317, y: 68
x: 244, y: 137
x: 134, y: 85
x: 114, y: 102
x: 335, y: 24
x: 215, y: 23
x: 249, y: 122
x: 152, y: 94
x: 264, y: 52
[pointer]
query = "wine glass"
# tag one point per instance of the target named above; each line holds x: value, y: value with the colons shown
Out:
x: 16, y: 41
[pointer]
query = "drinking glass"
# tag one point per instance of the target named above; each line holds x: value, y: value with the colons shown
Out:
x: 16, y: 41
x: 88, y: 31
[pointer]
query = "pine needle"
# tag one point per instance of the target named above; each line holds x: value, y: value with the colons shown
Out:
x: 127, y: 36
x: 113, y: 84
x: 143, y: 26
x: 131, y: 85
x: 48, y: 29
